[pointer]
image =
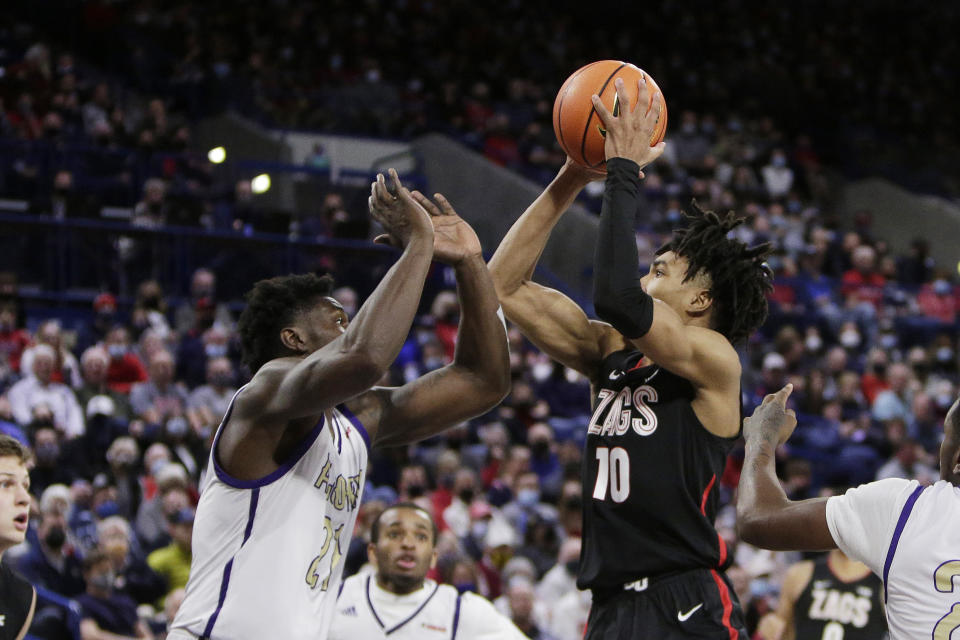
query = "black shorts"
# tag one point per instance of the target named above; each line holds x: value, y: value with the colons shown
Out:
x: 694, y: 604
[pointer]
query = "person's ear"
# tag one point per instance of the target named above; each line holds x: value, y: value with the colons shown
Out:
x: 291, y: 339
x: 701, y: 302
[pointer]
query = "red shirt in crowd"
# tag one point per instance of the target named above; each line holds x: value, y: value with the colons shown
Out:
x: 12, y: 344
x: 871, y: 386
x: 866, y: 288
x: 124, y: 372
x: 934, y: 305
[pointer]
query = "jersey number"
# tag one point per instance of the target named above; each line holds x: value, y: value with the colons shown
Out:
x: 943, y: 580
x: 832, y: 631
x: 331, y: 536
x: 613, y: 468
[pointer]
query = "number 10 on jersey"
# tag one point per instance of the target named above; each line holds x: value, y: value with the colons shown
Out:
x: 613, y: 470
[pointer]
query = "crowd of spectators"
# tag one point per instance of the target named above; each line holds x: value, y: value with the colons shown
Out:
x: 120, y: 410
x: 489, y: 76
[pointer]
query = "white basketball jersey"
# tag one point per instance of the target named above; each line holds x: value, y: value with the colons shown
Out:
x: 908, y: 535
x: 432, y: 613
x: 435, y: 612
x: 267, y: 553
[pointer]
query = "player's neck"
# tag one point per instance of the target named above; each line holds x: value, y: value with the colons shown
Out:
x: 845, y: 568
x: 398, y: 588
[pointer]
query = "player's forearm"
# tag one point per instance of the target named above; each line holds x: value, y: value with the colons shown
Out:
x: 766, y: 518
x: 481, y: 339
x: 519, y: 251
x: 617, y: 295
x: 381, y: 326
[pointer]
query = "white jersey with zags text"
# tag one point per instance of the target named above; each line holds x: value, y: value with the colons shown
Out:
x: 267, y: 553
x: 909, y: 535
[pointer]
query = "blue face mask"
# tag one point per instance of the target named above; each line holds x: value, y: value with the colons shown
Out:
x: 117, y: 351
x: 528, y: 497
x: 215, y: 350
x: 463, y: 587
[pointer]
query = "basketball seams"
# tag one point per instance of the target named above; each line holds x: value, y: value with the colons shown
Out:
x: 558, y: 112
x: 593, y: 112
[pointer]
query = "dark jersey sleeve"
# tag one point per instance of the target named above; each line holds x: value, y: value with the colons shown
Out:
x: 617, y: 295
x: 16, y: 603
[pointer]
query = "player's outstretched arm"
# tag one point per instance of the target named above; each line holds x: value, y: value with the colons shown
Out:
x: 701, y: 356
x: 355, y: 360
x: 551, y: 320
x: 479, y: 376
x: 766, y: 518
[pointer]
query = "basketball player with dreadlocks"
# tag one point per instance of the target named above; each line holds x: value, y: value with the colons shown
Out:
x: 666, y: 380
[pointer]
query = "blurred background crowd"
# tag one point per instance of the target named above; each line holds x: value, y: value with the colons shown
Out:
x: 119, y: 393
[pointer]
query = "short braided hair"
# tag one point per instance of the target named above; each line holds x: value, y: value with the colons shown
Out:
x: 740, y: 279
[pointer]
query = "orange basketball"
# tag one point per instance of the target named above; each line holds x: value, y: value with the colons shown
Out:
x: 576, y: 123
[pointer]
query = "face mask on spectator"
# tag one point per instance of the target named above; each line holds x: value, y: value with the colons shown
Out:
x: 572, y: 566
x: 850, y: 339
x: 479, y: 529
x: 55, y: 537
x: 117, y: 351
x: 221, y: 379
x: 176, y: 427
x: 813, y: 343
x: 528, y: 497
x: 103, y: 580
x: 888, y: 340
x: 944, y: 354
x: 463, y: 587
x: 215, y: 350
x: 466, y: 495
x: 779, y: 161
x: 48, y: 452
x: 157, y: 465
x: 431, y: 364
x: 415, y: 490
x: 540, y: 449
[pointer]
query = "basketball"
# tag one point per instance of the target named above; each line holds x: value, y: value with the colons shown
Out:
x: 576, y: 123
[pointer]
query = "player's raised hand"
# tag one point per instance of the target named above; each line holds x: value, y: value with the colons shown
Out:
x: 580, y: 173
x: 771, y: 421
x: 402, y: 217
x: 453, y: 239
x: 630, y: 127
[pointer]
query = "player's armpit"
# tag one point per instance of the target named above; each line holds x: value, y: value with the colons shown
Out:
x: 560, y: 328
x: 789, y: 526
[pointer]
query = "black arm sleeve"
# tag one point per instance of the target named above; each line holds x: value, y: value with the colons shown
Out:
x: 617, y: 295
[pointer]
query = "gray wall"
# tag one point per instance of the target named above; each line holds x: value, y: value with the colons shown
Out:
x: 491, y: 198
x: 899, y: 216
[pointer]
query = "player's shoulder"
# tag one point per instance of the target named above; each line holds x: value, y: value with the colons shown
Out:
x: 476, y: 605
x: 356, y: 581
x: 716, y: 348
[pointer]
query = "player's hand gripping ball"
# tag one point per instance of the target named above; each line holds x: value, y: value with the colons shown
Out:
x: 576, y: 123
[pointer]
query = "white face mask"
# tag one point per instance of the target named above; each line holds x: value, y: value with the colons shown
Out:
x: 813, y: 343
x: 850, y: 339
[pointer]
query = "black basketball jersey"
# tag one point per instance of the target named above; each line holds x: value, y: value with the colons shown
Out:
x: 650, y: 474
x: 16, y: 596
x: 830, y: 608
